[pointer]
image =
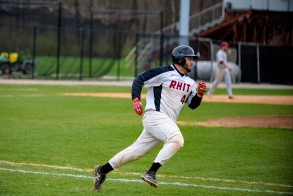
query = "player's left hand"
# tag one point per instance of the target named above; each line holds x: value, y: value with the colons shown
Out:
x: 137, y: 106
x: 201, y: 88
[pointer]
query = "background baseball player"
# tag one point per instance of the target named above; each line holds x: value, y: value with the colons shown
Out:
x: 169, y: 88
x: 222, y: 71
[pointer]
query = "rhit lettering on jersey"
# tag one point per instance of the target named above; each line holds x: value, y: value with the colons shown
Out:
x: 179, y: 85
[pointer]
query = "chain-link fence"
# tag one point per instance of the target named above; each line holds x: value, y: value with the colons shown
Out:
x: 81, y: 53
x: 49, y: 40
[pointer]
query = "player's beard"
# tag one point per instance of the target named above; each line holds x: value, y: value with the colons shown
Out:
x: 187, y: 68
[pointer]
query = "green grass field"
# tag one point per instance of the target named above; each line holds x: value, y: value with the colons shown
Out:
x: 50, y: 143
x: 72, y: 67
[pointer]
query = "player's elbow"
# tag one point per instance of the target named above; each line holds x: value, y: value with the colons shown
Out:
x: 195, y: 102
x: 193, y: 106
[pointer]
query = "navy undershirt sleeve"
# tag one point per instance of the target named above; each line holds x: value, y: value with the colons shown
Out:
x: 195, y: 102
x: 137, y: 86
x: 141, y: 78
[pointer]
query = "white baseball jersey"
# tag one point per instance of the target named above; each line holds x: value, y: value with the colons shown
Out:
x: 221, y: 57
x: 168, y: 90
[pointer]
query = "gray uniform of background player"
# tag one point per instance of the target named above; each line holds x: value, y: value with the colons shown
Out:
x: 222, y: 72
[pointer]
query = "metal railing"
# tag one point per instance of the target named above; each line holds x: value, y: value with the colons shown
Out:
x: 198, y: 21
x: 206, y: 18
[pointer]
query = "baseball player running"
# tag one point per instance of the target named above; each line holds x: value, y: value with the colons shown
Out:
x: 169, y: 89
x: 222, y: 71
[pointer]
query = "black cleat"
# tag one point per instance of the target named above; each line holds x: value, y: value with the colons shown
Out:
x: 150, y: 178
x: 99, y: 178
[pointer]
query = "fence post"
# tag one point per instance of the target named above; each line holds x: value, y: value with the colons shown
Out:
x: 119, y: 48
x: 136, y: 54
x: 58, y: 40
x: 161, y: 37
x: 239, y: 58
x: 81, y: 52
x: 91, y: 38
x: 258, y: 65
x: 212, y: 58
x: 34, y: 51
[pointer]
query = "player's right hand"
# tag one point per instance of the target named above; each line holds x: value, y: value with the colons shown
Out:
x: 201, y: 88
x: 137, y: 106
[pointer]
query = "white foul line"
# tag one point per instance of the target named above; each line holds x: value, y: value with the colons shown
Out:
x: 137, y: 174
x: 221, y: 180
x: 139, y: 181
x: 41, y: 165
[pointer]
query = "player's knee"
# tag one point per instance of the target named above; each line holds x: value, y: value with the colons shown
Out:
x: 133, y: 157
x: 136, y: 157
x: 178, y: 141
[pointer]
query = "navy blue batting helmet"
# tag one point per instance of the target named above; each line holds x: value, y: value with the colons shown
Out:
x: 180, y: 52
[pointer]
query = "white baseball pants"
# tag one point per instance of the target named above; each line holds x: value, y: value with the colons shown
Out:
x: 220, y: 74
x: 158, y: 128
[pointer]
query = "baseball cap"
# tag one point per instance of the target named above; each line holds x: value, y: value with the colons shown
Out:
x: 224, y: 44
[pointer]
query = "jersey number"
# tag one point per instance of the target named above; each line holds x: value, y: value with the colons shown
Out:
x: 183, y: 99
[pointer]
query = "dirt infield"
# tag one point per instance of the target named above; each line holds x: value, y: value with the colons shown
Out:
x: 262, y: 99
x: 251, y: 121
